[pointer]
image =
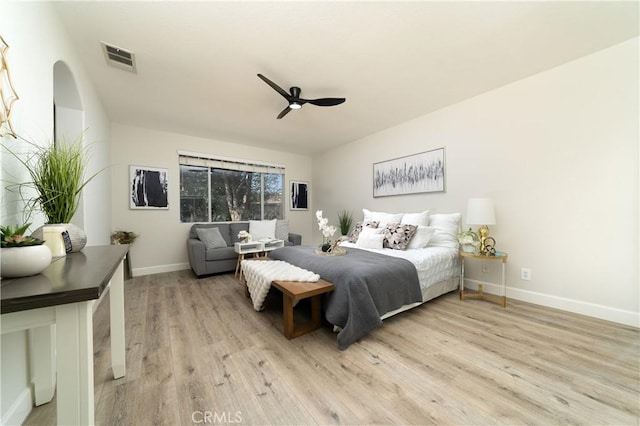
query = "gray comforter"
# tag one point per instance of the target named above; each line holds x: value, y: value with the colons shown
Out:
x: 367, y: 285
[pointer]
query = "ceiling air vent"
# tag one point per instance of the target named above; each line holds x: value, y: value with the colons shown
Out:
x: 119, y: 58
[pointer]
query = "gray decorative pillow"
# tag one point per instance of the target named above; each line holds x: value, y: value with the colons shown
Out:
x: 282, y: 229
x: 397, y: 235
x: 211, y: 237
x: 355, y: 233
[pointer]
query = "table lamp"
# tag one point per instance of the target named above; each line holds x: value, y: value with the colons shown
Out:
x: 480, y: 211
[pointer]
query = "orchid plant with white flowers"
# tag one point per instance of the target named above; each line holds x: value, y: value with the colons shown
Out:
x: 327, y: 230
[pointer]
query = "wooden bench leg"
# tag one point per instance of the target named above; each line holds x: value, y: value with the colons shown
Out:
x: 290, y: 330
x: 287, y: 315
x: 316, y: 312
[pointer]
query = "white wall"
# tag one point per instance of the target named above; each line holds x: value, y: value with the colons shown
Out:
x: 558, y: 153
x: 37, y: 41
x: 161, y: 246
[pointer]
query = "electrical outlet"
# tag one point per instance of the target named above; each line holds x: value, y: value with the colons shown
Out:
x: 525, y: 274
x: 485, y: 268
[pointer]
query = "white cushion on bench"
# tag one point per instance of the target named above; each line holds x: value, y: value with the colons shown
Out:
x: 260, y: 274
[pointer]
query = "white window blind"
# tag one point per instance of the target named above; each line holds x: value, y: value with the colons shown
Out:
x: 196, y: 159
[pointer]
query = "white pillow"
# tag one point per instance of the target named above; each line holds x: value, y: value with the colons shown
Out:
x: 449, y: 223
x: 421, y: 238
x: 416, y: 219
x: 447, y: 228
x: 382, y: 218
x: 370, y: 231
x: 370, y: 240
x: 262, y: 229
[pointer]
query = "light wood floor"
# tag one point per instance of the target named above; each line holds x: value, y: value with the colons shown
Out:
x: 197, y: 348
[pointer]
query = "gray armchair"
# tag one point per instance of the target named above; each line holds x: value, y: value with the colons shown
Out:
x: 205, y: 261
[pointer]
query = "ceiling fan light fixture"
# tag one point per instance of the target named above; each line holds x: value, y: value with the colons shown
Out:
x: 294, y: 101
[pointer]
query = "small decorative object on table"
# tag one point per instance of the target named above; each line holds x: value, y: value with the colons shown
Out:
x: 329, y: 246
x: 244, y: 236
x: 489, y: 247
x: 469, y: 241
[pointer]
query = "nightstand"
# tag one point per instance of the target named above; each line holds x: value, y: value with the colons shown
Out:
x: 500, y: 257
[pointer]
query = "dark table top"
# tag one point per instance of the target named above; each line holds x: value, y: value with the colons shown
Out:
x: 76, y: 277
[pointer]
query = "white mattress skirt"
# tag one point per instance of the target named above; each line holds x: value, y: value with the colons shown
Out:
x: 428, y: 293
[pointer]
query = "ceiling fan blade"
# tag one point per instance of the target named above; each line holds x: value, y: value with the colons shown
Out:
x: 284, y: 112
x: 275, y: 86
x: 325, y: 101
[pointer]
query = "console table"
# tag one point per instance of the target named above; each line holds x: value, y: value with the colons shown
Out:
x: 63, y: 295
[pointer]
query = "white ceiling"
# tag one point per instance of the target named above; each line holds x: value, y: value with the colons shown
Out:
x: 393, y: 61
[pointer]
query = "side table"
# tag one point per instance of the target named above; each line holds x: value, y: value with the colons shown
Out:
x: 251, y: 247
x: 502, y: 257
x: 272, y: 245
x: 62, y: 295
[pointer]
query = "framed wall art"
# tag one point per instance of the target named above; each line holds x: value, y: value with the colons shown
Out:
x: 8, y: 94
x: 148, y: 188
x: 423, y: 172
x: 299, y: 195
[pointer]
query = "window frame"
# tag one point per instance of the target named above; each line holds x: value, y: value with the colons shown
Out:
x: 190, y: 159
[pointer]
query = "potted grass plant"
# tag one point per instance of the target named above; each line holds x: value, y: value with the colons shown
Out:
x: 345, y: 220
x: 57, y: 176
x: 22, y: 255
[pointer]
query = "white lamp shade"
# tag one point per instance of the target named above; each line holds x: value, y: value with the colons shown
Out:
x: 480, y: 211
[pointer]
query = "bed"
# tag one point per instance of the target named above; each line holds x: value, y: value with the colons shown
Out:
x: 372, y: 284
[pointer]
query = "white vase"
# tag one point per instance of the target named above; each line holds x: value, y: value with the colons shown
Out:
x: 52, y: 236
x: 24, y: 261
x: 76, y: 234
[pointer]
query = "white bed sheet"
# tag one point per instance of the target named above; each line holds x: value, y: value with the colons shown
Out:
x: 433, y: 264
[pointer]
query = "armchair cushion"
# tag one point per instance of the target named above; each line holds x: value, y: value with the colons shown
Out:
x: 211, y: 237
x: 282, y: 229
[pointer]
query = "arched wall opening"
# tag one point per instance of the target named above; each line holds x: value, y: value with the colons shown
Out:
x: 68, y: 118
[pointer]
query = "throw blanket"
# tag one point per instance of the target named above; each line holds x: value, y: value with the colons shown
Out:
x: 260, y: 274
x: 367, y: 285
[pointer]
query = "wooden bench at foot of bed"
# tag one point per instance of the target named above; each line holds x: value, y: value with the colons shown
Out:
x: 294, y: 291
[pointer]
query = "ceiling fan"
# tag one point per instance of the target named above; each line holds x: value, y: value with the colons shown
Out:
x: 294, y: 99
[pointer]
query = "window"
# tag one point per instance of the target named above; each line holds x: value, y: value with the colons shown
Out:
x: 217, y: 190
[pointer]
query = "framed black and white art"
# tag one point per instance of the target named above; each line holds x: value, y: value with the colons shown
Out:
x: 148, y: 188
x: 299, y: 195
x: 423, y: 172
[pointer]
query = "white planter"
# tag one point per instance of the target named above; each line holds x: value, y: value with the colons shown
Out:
x: 469, y: 248
x: 24, y: 261
x: 76, y: 235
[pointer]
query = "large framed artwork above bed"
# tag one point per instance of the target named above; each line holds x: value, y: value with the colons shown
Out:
x: 418, y: 173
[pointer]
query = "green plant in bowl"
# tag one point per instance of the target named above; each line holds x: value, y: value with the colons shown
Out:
x: 13, y: 236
